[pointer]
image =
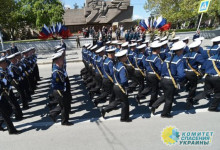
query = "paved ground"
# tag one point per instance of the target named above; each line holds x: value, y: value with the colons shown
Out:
x: 91, y: 131
x: 75, y: 55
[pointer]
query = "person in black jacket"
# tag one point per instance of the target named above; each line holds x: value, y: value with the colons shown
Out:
x: 14, y: 48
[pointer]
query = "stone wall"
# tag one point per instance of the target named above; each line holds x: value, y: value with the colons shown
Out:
x: 206, y: 34
x: 48, y: 46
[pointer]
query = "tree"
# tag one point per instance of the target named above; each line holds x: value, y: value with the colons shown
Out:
x: 10, y: 19
x: 180, y: 11
x: 40, y: 12
x: 17, y: 15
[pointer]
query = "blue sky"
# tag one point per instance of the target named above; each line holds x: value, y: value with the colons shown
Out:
x: 139, y: 12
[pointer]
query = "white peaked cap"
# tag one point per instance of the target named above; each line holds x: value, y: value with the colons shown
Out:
x: 178, y: 45
x: 100, y: 49
x: 194, y: 44
x: 121, y: 53
x: 141, y: 46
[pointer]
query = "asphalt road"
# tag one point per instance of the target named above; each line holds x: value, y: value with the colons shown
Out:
x: 91, y: 131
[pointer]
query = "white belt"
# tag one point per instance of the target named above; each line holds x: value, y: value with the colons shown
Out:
x: 188, y: 70
x: 151, y: 73
x: 166, y: 77
x: 214, y: 75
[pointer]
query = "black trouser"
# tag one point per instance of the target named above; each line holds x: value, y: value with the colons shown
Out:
x: 5, y: 110
x: 153, y: 83
x: 26, y: 87
x: 121, y: 98
x: 107, y: 90
x: 192, y: 78
x: 214, y: 83
x: 78, y: 44
x: 63, y: 107
x: 19, y: 87
x: 68, y: 88
x: 98, y: 83
x: 208, y: 89
x: 36, y: 72
x: 169, y: 91
x: 91, y: 84
x: 131, y: 76
x: 140, y: 80
x: 14, y: 104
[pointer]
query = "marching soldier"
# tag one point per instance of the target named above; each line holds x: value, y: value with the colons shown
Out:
x: 120, y: 83
x: 17, y: 80
x: 212, y: 79
x: 98, y: 70
x: 147, y: 49
x: 211, y: 51
x: 164, y: 52
x: 153, y: 69
x: 172, y: 76
x: 7, y: 90
x: 93, y: 56
x: 59, y: 91
x: 5, y: 111
x: 140, y: 62
x: 84, y: 71
x: 186, y: 49
x: 107, y: 77
x: 192, y: 61
x: 131, y: 66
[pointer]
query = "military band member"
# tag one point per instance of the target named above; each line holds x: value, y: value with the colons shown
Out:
x: 120, y: 83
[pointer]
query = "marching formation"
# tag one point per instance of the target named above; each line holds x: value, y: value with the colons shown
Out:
x: 19, y: 71
x: 160, y: 68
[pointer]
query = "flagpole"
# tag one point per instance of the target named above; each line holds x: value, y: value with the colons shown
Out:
x: 1, y: 40
x: 200, y: 21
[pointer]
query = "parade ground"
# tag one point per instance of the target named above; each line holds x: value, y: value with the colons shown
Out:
x: 91, y: 131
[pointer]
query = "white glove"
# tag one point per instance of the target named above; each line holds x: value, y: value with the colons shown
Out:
x: 20, y: 68
x: 23, y: 74
x: 178, y: 86
x: 4, y: 81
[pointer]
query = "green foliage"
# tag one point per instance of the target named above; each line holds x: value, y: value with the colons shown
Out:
x: 179, y: 11
x: 17, y: 15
